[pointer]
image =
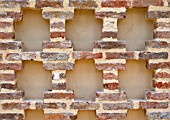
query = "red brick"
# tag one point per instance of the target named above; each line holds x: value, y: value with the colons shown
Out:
x: 7, y: 77
x: 158, y: 14
x: 83, y: 4
x: 158, y: 115
x: 153, y: 55
x: 59, y: 25
x: 110, y: 116
x: 9, y: 86
x: 110, y: 76
x: 58, y: 44
x: 86, y: 55
x: 59, y: 86
x: 57, y: 105
x: 13, y: 106
x: 13, y: 15
x: 54, y: 56
x: 11, y: 116
x: 7, y: 35
x: 1, y: 56
x: 154, y: 66
x: 49, y: 3
x: 110, y: 14
x: 161, y: 25
x: 13, y: 95
x: 116, y: 106
x: 11, y: 66
x: 146, y: 3
x: 153, y: 105
x: 58, y: 66
x: 110, y: 66
x: 163, y: 34
x: 111, y: 86
x: 156, y: 96
x: 14, y: 3
x: 161, y: 85
x: 10, y: 45
x: 58, y: 95
x: 109, y: 34
x: 120, y: 55
x: 5, y: 24
x: 57, y: 34
x: 111, y: 96
x: 162, y: 75
x: 114, y: 3
x: 110, y: 44
x: 82, y: 105
x: 156, y: 44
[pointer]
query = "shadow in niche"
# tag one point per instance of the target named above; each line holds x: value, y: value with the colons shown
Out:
x: 34, y: 115
x: 32, y: 30
x: 85, y: 80
x: 135, y: 29
x: 138, y: 114
x: 34, y: 80
x: 86, y: 115
x: 83, y: 30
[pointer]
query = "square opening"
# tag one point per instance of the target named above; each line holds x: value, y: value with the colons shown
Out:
x: 34, y: 115
x: 135, y: 29
x: 136, y: 78
x: 83, y: 30
x: 32, y: 30
x: 86, y: 115
x: 85, y: 80
x: 34, y: 80
x: 138, y: 114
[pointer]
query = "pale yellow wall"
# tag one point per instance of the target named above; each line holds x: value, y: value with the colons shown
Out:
x: 33, y: 79
x: 83, y: 30
x: 34, y: 115
x: 84, y: 80
x: 32, y: 30
x: 86, y: 115
x: 135, y: 79
x: 135, y: 29
x: 138, y: 114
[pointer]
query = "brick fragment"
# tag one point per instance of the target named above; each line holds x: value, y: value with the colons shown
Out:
x: 54, y: 56
x: 83, y: 4
x: 86, y: 55
x: 114, y: 3
x: 13, y: 15
x: 109, y: 34
x: 153, y: 105
x: 58, y: 66
x: 120, y: 55
x: 56, y: 105
x: 109, y: 76
x: 59, y: 25
x: 57, y: 35
x: 162, y: 34
x: 1, y: 56
x: 49, y: 3
x: 153, y: 55
x: 156, y: 96
x: 10, y: 45
x: 110, y: 66
x: 13, y: 106
x: 7, y: 77
x: 154, y: 66
x: 161, y: 25
x: 110, y: 44
x: 110, y: 116
x: 82, y: 105
x: 5, y: 24
x: 162, y: 75
x: 116, y: 106
x: 11, y: 66
x: 59, y: 86
x: 158, y: 115
x: 158, y: 14
x: 110, y: 14
x: 11, y: 116
x: 8, y: 86
x: 11, y: 95
x: 7, y: 35
x: 156, y: 44
x: 161, y: 85
x: 146, y: 3
x: 111, y: 86
x: 14, y: 3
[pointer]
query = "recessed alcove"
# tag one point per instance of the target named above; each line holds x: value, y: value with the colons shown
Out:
x: 32, y: 30
x: 138, y: 114
x: 85, y: 80
x: 135, y: 29
x: 33, y: 79
x: 136, y: 79
x: 34, y: 115
x: 83, y: 30
x: 86, y: 115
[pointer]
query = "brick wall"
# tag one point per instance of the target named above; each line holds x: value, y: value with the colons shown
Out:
x: 110, y: 56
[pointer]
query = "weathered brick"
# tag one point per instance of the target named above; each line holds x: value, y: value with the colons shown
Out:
x: 111, y: 86
x: 114, y: 3
x: 11, y: 95
x: 111, y: 96
x: 154, y: 66
x: 110, y: 44
x: 58, y: 66
x: 59, y: 86
x: 120, y: 55
x: 153, y: 105
x: 7, y: 35
x: 59, y: 25
x: 58, y: 95
x: 110, y: 66
x: 110, y: 14
x: 1, y: 56
x: 162, y: 34
x: 161, y: 85
x: 14, y: 3
x: 13, y: 15
x: 61, y: 116
x: 56, y: 105
x: 9, y: 86
x: 7, y: 77
x: 59, y: 76
x: 57, y: 34
x: 11, y: 116
x: 83, y: 4
x: 110, y: 116
x: 109, y: 34
x: 116, y: 106
x: 10, y: 45
x: 153, y: 55
x: 49, y: 3
x: 13, y: 106
x: 146, y: 3
x: 158, y: 115
x: 57, y: 44
x: 162, y: 75
x: 86, y: 55
x: 54, y: 56
x: 39, y: 105
x: 82, y: 105
x: 158, y: 14
x: 5, y: 24
x: 156, y: 96
x: 161, y: 25
x: 110, y: 76
x: 11, y: 66
x: 20, y: 56
x: 156, y: 44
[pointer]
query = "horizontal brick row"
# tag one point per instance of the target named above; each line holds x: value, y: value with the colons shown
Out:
x: 11, y: 66
x: 54, y: 56
x: 109, y: 116
x: 110, y: 66
x: 7, y: 77
x: 159, y: 65
x: 116, y: 106
x: 8, y: 86
x: 115, y: 3
x: 86, y: 55
x: 83, y: 4
x: 10, y: 45
x: 6, y: 24
x: 83, y: 105
x: 110, y: 76
x: 151, y: 95
x: 11, y: 95
x: 13, y: 15
x: 59, y: 86
x: 59, y: 25
x: 156, y: 44
x: 8, y: 116
x: 58, y: 66
x: 49, y: 3
x: 110, y: 14
x: 158, y: 115
x: 111, y: 86
x: 161, y: 85
x: 62, y: 116
x: 57, y: 35
x: 109, y: 34
x: 162, y: 75
x: 14, y: 3
x: 158, y: 14
x: 7, y: 35
x: 162, y: 34
x: 153, y: 105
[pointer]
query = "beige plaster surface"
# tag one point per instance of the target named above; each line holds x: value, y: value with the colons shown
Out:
x: 83, y: 30
x: 138, y: 114
x: 136, y: 79
x: 84, y: 80
x: 34, y: 115
x: 32, y: 30
x: 86, y: 115
x: 33, y: 79
x: 135, y: 29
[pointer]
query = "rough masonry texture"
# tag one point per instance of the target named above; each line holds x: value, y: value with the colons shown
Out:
x: 110, y: 55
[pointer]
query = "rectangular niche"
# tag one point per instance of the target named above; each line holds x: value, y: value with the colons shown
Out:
x: 34, y: 115
x: 83, y: 30
x: 34, y: 80
x: 86, y: 115
x: 135, y: 29
x: 136, y: 78
x: 32, y: 30
x: 85, y: 80
x: 138, y: 114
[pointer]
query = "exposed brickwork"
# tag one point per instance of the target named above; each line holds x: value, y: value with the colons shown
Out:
x: 110, y: 56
